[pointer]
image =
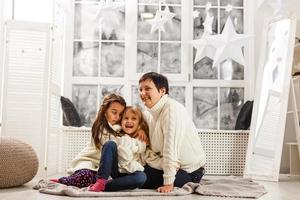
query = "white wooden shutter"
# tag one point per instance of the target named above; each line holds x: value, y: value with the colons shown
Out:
x: 26, y: 75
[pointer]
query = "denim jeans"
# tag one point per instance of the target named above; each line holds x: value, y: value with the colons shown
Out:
x: 155, y: 177
x: 109, y: 168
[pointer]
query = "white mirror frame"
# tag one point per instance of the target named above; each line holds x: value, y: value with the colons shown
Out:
x: 270, y: 103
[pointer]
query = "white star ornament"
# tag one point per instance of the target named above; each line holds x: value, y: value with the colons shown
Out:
x: 228, y: 44
x: 157, y: 23
x: 167, y: 15
x: 203, y: 50
x: 208, y: 23
x: 160, y: 19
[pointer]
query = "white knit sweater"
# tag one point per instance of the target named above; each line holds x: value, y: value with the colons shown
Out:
x: 174, y: 138
x: 129, y: 150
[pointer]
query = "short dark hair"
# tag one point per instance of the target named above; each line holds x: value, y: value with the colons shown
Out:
x: 159, y: 80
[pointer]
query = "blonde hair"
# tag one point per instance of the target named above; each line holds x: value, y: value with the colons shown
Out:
x: 142, y: 123
x: 100, y: 122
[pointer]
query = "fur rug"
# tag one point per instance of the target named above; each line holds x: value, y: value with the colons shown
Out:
x: 222, y: 187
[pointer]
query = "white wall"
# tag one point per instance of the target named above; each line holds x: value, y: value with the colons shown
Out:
x: 29, y: 10
x: 33, y: 10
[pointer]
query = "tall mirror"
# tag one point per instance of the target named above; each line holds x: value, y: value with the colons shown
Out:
x: 270, y: 101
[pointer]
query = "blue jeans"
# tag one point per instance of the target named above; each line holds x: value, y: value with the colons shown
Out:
x: 109, y: 167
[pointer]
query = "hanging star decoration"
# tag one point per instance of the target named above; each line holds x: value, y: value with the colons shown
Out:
x: 208, y: 6
x: 228, y: 44
x: 108, y: 16
x: 208, y: 23
x: 280, y: 7
x: 228, y: 8
x: 195, y: 14
x: 160, y: 19
x: 203, y: 49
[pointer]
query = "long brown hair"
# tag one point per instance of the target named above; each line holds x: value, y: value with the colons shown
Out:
x: 100, y: 122
x: 142, y: 123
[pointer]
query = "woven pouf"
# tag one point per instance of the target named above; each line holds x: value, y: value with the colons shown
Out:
x: 18, y: 162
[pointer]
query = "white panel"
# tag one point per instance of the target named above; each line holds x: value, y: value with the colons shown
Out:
x: 53, y: 142
x: 225, y: 150
x: 26, y: 84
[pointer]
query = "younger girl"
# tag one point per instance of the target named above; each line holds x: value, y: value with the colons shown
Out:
x: 122, y: 157
x: 85, y: 166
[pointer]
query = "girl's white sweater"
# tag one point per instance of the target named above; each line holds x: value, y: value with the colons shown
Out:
x: 174, y: 138
x: 129, y: 150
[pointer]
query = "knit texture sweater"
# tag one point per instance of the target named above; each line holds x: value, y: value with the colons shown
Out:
x: 129, y: 154
x: 173, y: 138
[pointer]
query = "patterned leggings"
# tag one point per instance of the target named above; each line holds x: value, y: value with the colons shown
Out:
x: 81, y: 178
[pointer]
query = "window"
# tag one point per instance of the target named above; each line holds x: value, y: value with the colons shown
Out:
x: 111, y: 52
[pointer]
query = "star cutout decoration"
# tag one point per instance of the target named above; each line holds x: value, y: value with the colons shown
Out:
x: 228, y: 8
x: 195, y: 14
x: 208, y: 23
x: 160, y: 19
x: 167, y: 15
x: 107, y: 16
x: 157, y: 23
x: 208, y: 6
x: 228, y: 44
x: 203, y: 49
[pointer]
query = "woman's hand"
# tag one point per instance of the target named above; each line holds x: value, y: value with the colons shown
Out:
x: 165, y: 188
x: 142, y: 137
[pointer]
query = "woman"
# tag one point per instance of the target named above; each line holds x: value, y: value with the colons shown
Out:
x: 173, y: 138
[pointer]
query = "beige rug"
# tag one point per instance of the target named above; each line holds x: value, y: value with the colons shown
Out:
x: 223, y: 187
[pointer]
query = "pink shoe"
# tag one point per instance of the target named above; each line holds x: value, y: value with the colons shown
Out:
x: 99, y: 186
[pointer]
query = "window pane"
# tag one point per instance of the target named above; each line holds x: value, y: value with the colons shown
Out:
x: 84, y: 98
x: 147, y: 57
x: 231, y: 70
x: 204, y: 2
x: 85, y: 58
x: 198, y: 22
x: 106, y: 89
x: 237, y: 18
x: 232, y: 2
x: 205, y: 107
x: 85, y: 23
x: 173, y: 1
x: 112, y: 59
x: 149, y: 1
x: 178, y: 93
x: 231, y: 101
x: 144, y: 27
x: 113, y: 25
x: 135, y: 97
x: 170, y: 58
x: 204, y: 70
x: 173, y: 29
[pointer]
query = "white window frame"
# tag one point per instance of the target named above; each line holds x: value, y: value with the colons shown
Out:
x: 185, y: 78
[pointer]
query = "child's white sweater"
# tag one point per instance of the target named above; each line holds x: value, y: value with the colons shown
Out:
x: 174, y: 139
x: 129, y: 150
